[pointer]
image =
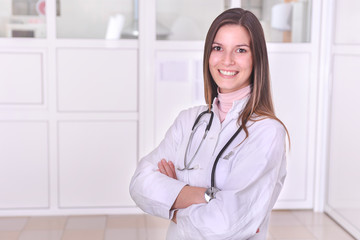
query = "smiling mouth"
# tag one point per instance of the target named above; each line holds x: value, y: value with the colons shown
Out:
x: 228, y: 73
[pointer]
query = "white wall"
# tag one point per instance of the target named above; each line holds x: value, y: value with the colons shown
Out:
x: 343, y: 193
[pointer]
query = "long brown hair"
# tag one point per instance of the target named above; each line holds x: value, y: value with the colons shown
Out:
x: 260, y: 104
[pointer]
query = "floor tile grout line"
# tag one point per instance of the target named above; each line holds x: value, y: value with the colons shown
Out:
x: 106, y: 222
x: 47, y: 229
x: 146, y: 228
x: 304, y: 224
x: 64, y: 227
x: 24, y: 227
x: 143, y: 217
x: 323, y: 225
x: 341, y: 227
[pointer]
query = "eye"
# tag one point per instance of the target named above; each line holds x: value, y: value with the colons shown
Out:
x: 241, y: 50
x: 217, y: 48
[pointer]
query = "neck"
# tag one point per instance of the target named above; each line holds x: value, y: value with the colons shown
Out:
x: 226, y: 100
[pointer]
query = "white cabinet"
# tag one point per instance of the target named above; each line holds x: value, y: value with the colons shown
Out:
x: 97, y: 80
x: 68, y: 138
x: 68, y: 124
x: 96, y: 162
x: 291, y: 82
x: 24, y: 161
x: 28, y: 84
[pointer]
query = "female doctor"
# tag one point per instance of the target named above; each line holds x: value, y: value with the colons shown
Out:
x: 220, y: 168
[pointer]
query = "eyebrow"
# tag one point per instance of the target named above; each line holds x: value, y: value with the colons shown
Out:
x: 238, y: 45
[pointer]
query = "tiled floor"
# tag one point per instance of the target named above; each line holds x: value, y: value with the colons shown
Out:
x: 284, y: 225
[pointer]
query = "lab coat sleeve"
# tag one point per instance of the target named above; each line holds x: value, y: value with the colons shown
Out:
x: 249, y: 192
x: 153, y: 191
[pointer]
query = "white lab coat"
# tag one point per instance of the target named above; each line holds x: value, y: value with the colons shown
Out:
x: 250, y: 176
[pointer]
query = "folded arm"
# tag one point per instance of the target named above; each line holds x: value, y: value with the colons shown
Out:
x: 188, y: 195
x: 155, y: 193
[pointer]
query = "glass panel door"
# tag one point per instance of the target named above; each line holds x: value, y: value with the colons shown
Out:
x: 343, y: 193
x: 185, y: 19
x: 22, y: 18
x: 282, y: 20
x: 98, y: 19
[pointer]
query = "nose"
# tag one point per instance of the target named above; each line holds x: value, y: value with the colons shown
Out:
x: 228, y: 58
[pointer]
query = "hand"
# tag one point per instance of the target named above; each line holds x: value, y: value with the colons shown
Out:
x: 167, y: 168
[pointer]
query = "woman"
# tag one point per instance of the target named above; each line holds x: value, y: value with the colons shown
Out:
x: 245, y: 142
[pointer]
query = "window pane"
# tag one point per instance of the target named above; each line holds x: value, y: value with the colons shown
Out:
x: 22, y: 18
x: 282, y: 20
x: 98, y: 19
x: 185, y: 19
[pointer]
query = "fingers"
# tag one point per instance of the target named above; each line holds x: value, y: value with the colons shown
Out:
x: 161, y: 168
x: 172, y: 167
x: 167, y: 168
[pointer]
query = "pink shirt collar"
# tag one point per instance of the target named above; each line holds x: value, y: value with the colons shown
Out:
x: 226, y: 100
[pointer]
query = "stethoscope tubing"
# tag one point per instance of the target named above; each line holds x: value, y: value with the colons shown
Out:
x: 193, y: 129
x: 219, y: 155
x: 187, y: 165
x: 199, y: 117
x: 208, y: 126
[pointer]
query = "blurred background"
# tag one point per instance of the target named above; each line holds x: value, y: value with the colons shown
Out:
x: 88, y: 87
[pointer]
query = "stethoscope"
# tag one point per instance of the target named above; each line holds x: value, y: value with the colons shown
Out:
x: 208, y: 126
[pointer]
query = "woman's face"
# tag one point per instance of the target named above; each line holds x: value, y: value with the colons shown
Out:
x: 230, y: 60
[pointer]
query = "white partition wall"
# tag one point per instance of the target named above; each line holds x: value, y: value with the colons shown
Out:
x: 343, y: 192
x: 96, y: 80
x: 178, y: 86
x: 68, y: 125
x: 24, y: 159
x: 78, y: 111
x: 96, y: 163
x: 291, y: 81
x: 28, y: 84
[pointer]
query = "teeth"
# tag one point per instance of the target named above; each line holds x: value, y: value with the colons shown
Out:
x: 227, y: 73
